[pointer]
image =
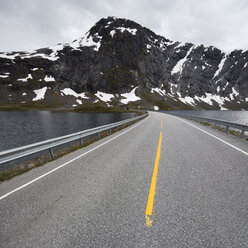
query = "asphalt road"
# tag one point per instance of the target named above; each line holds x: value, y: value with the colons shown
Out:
x: 101, y: 198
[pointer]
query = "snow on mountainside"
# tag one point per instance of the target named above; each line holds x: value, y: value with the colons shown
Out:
x: 119, y: 62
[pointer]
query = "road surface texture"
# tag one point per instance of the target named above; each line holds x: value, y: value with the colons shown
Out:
x: 190, y: 180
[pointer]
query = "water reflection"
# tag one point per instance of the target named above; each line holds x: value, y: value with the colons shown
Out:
x: 228, y: 115
x: 18, y: 128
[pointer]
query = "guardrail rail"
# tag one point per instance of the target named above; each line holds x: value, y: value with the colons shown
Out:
x: 23, y: 151
x: 224, y: 123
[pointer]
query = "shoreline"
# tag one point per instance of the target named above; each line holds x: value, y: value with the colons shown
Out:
x: 92, y: 109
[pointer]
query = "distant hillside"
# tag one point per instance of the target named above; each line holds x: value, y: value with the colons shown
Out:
x: 120, y: 63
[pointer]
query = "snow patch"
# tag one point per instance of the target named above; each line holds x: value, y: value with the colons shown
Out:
x: 173, y: 88
x: 25, y: 79
x: 24, y: 94
x: 159, y: 91
x: 222, y: 108
x: 233, y: 94
x: 112, y: 33
x: 186, y: 100
x: 51, y: 56
x: 5, y: 75
x: 49, y: 78
x: 130, y: 97
x: 79, y: 101
x: 105, y: 97
x: 9, y: 55
x: 181, y: 44
x: 179, y: 66
x: 156, y: 108
x: 163, y: 45
x: 225, y: 85
x: 88, y: 42
x: 133, y: 31
x: 209, y: 97
x: 40, y: 94
x: 70, y: 92
x: 220, y: 67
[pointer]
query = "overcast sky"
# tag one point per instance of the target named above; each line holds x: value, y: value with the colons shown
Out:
x: 30, y: 24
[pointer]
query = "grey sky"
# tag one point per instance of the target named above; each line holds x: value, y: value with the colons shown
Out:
x: 30, y: 24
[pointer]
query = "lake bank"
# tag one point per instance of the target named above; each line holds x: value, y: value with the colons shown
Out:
x: 88, y: 108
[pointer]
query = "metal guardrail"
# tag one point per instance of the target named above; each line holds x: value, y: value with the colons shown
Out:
x: 23, y: 151
x: 226, y: 124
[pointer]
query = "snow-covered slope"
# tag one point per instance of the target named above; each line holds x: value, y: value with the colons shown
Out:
x: 119, y: 62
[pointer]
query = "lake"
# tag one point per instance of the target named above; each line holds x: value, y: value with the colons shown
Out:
x: 228, y: 115
x: 18, y: 128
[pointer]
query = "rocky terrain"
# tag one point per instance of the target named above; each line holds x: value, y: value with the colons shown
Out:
x: 122, y: 64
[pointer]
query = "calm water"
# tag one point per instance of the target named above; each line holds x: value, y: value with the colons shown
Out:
x: 18, y: 128
x: 233, y: 116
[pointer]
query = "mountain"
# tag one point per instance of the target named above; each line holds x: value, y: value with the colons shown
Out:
x: 120, y: 63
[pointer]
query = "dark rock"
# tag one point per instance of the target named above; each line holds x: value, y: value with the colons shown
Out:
x: 120, y: 55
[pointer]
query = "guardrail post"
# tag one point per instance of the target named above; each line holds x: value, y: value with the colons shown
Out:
x: 215, y: 125
x: 118, y: 128
x: 51, y: 153
x: 227, y: 128
x: 81, y: 141
x: 109, y: 131
x: 242, y: 134
x: 99, y: 135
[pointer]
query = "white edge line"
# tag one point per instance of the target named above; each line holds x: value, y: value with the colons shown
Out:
x: 57, y: 168
x: 236, y: 148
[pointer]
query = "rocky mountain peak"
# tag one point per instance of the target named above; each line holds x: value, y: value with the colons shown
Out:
x: 118, y: 57
x: 112, y: 30
x: 105, y: 25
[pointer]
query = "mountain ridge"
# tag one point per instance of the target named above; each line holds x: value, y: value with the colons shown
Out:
x: 117, y: 56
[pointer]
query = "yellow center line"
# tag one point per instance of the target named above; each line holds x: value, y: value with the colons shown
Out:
x: 152, y: 193
x: 161, y: 123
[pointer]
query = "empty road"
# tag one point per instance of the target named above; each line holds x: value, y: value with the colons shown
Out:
x: 162, y: 182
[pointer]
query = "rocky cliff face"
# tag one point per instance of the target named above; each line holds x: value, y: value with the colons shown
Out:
x: 119, y: 62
